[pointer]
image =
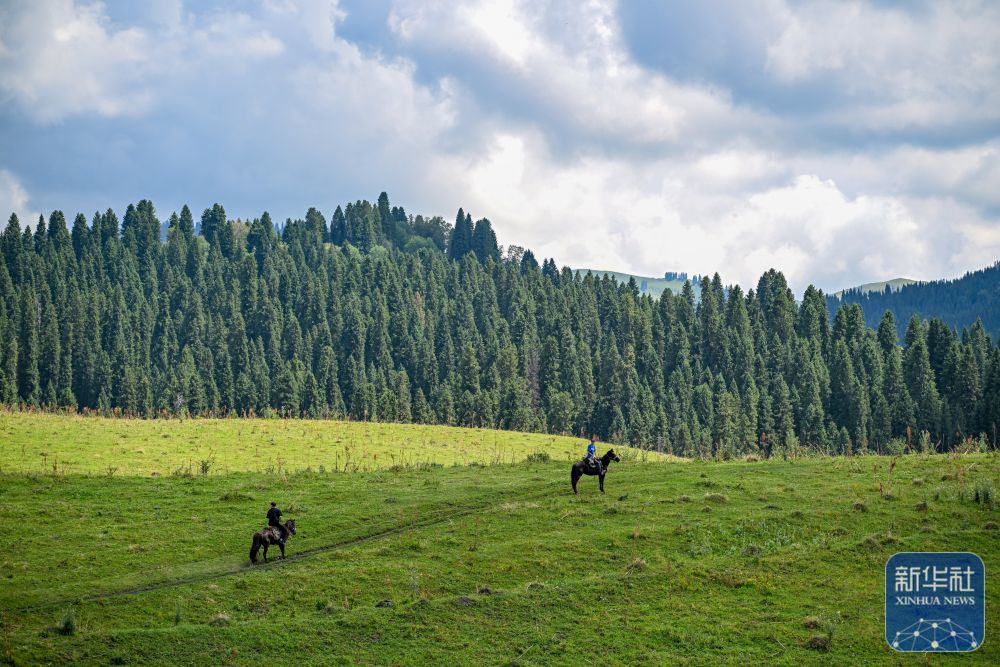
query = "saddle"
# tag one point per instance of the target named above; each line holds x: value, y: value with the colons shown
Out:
x: 594, y: 465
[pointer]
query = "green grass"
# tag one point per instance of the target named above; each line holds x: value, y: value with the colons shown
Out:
x: 77, y: 444
x: 483, y: 564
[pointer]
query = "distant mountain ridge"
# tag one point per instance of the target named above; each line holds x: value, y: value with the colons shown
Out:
x: 654, y: 287
x: 959, y: 302
x: 894, y: 285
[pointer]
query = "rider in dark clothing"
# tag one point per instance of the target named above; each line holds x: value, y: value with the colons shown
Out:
x: 274, y: 520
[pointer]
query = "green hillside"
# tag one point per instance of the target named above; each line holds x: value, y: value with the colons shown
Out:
x: 41, y: 443
x: 896, y: 284
x: 654, y: 286
x: 777, y: 562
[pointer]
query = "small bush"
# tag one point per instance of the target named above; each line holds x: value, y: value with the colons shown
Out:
x: 535, y: 586
x: 637, y: 565
x: 990, y: 525
x: 918, y: 481
x: 818, y: 643
x: 683, y: 499
x: 811, y: 622
x: 921, y: 506
x: 860, y: 506
x: 220, y: 620
x: 797, y: 514
x: 752, y: 550
x: 984, y: 493
x: 876, y: 541
x: 715, y: 498
x: 538, y: 457
x: 706, y: 508
x: 67, y: 626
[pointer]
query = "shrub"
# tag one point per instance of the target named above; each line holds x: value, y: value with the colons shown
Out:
x: 637, y: 565
x: 538, y: 457
x: 984, y: 493
x: 219, y: 620
x: 895, y: 447
x: 715, y: 498
x: 67, y: 626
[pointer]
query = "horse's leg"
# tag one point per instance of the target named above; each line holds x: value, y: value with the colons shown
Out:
x: 574, y: 477
x: 266, y: 543
x: 282, y: 545
x: 602, y: 482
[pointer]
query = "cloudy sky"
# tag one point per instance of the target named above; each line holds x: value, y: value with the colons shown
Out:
x: 841, y: 142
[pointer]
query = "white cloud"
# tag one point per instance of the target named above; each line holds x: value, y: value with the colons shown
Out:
x: 61, y: 59
x: 902, y: 66
x: 14, y: 199
x: 538, y: 117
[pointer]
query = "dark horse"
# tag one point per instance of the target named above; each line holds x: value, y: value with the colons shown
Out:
x: 581, y: 468
x: 269, y: 536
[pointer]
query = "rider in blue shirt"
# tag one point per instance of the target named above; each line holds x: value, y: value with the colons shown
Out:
x: 592, y: 454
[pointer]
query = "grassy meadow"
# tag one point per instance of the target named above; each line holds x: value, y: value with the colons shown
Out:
x: 492, y: 561
x: 74, y: 444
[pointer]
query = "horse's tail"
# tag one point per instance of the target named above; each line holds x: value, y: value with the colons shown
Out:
x: 255, y: 548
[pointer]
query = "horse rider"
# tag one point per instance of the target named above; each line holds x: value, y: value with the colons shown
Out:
x: 274, y: 521
x: 591, y: 457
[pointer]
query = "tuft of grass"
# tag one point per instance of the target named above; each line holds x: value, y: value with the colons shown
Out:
x: 877, y: 541
x: 235, y: 495
x: 918, y: 481
x: 535, y: 586
x: 684, y: 499
x: 716, y: 498
x: 921, y: 506
x: 178, y: 612
x: 991, y: 525
x: 637, y: 565
x: 812, y: 622
x: 67, y: 626
x: 983, y: 493
x: 860, y: 506
x: 706, y: 508
x: 818, y: 643
x: 220, y: 620
x: 538, y: 457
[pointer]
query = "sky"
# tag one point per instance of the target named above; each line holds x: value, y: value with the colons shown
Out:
x: 839, y: 142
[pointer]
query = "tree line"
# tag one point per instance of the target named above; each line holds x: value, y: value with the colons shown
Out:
x: 382, y: 315
x: 959, y: 302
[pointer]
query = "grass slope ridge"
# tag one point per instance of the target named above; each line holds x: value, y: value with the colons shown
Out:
x: 39, y: 442
x: 486, y: 564
x: 654, y: 286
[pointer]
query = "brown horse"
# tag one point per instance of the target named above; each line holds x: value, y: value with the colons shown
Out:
x: 269, y: 536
